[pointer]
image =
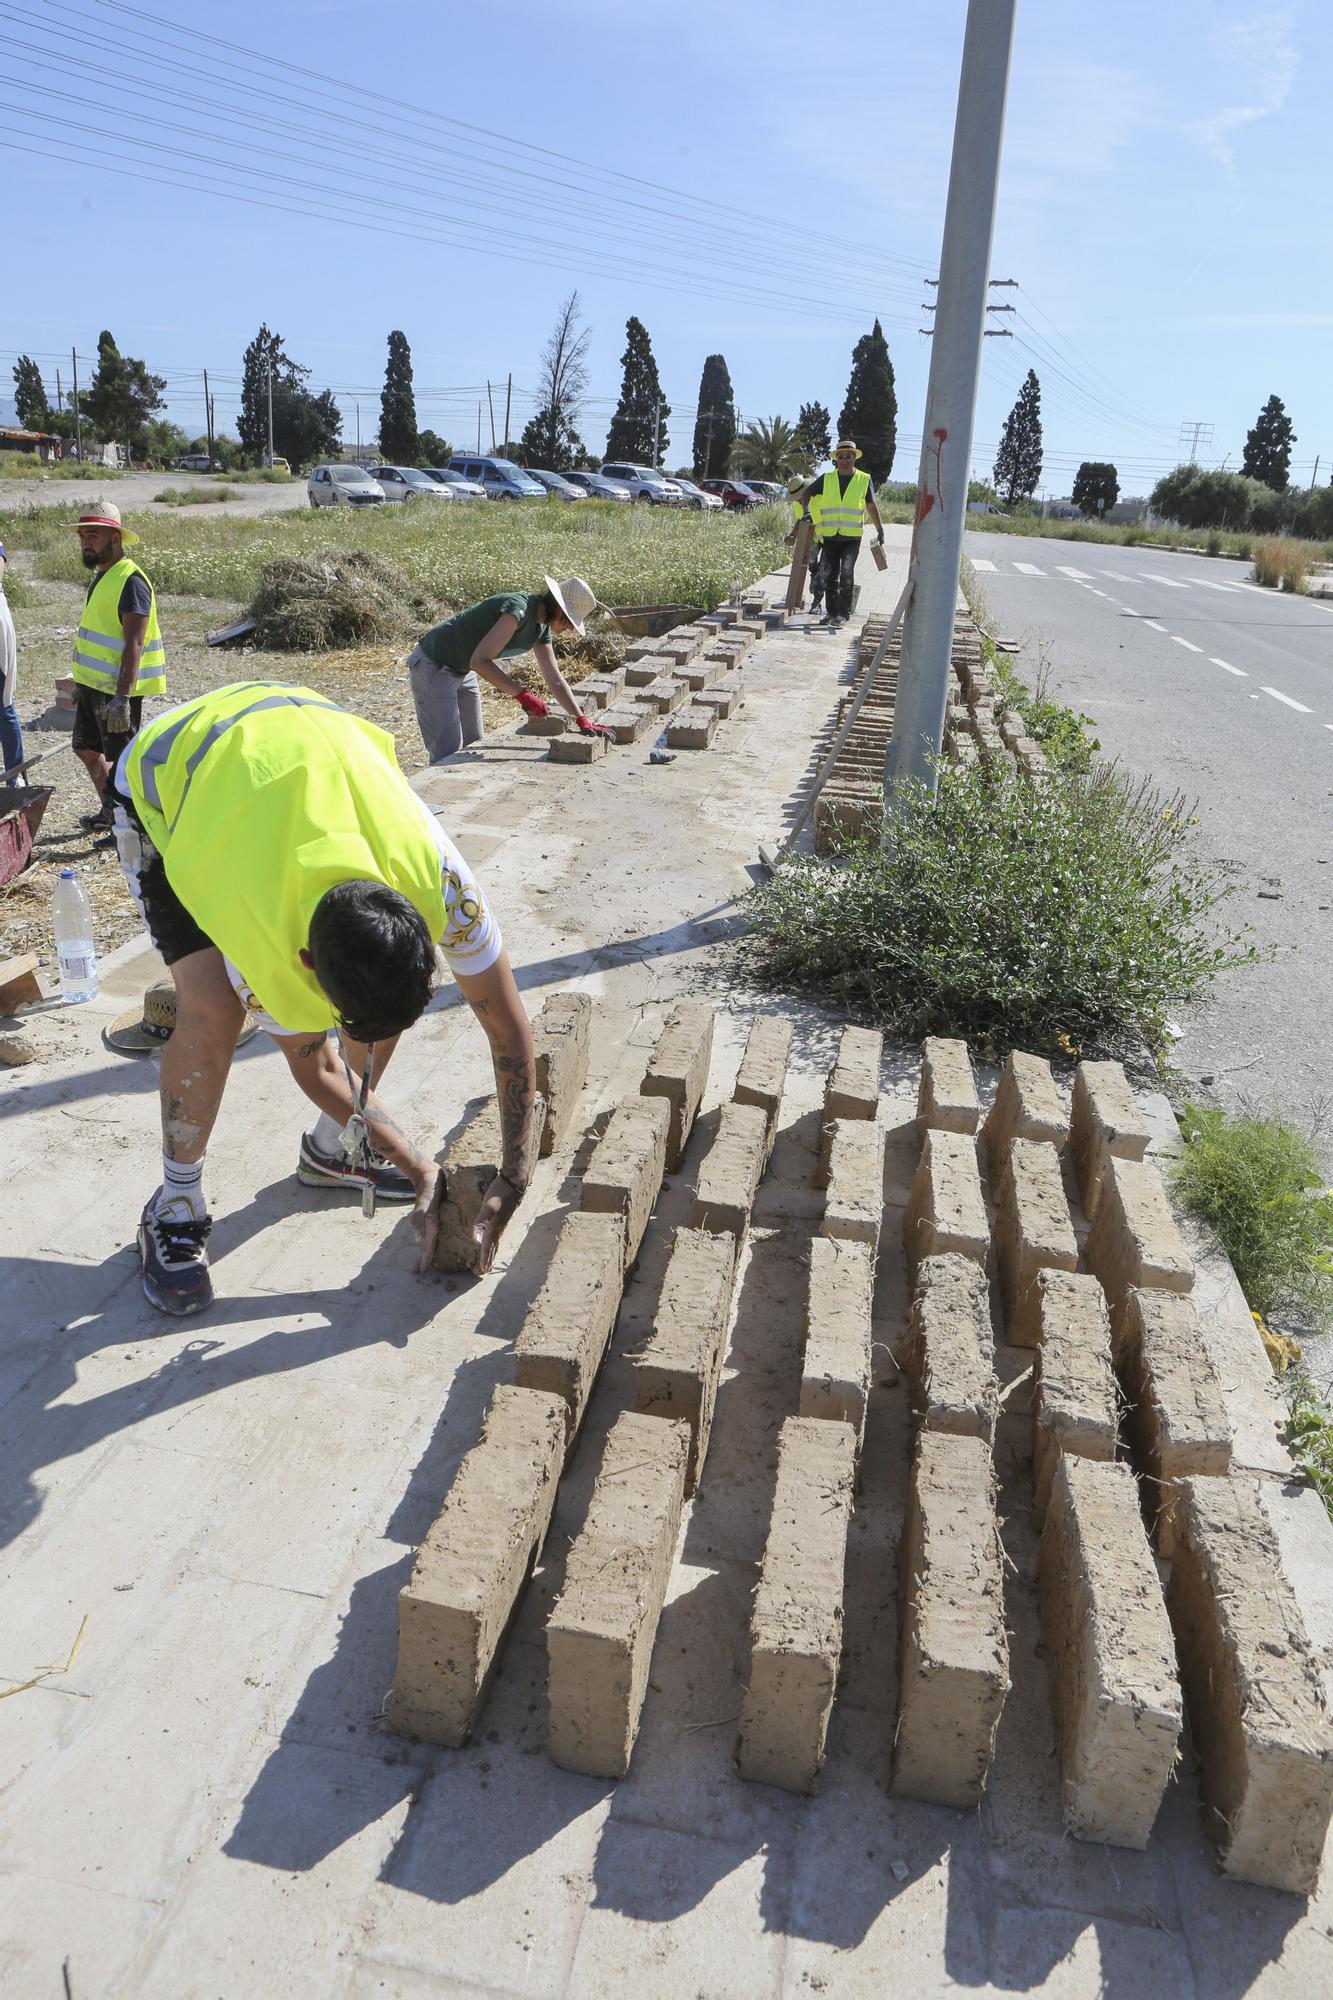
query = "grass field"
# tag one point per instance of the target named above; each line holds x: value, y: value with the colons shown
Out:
x: 1120, y: 534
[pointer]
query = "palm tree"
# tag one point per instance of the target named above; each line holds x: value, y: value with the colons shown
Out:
x: 772, y: 450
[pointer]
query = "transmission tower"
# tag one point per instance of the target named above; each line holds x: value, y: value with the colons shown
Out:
x: 1192, y: 435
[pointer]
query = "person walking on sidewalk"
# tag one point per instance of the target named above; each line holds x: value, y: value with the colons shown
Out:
x: 11, y: 732
x: 796, y: 489
x: 284, y: 867
x: 118, y: 652
x: 447, y: 663
x: 844, y: 498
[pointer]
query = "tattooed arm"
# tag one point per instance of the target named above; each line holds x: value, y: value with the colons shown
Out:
x: 493, y: 998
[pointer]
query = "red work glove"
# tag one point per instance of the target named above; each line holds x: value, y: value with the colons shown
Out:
x: 532, y: 704
x: 587, y: 727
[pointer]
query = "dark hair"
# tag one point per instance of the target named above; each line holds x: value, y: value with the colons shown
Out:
x: 374, y: 957
x: 550, y: 608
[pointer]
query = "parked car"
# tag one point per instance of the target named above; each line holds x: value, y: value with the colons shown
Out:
x: 405, y: 483
x: 767, y: 489
x: 645, y: 483
x: 695, y: 495
x: 198, y: 461
x: 463, y: 489
x: 598, y: 487
x: 557, y: 485
x: 733, y: 493
x: 499, y: 477
x: 343, y: 486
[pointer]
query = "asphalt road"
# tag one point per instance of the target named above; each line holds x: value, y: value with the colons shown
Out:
x: 1223, y: 691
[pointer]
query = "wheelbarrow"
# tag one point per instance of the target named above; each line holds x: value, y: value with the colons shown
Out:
x: 21, y: 809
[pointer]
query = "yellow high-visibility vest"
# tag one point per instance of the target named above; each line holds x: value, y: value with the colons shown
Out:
x: 812, y: 509
x: 260, y: 797
x: 100, y: 640
x: 842, y: 513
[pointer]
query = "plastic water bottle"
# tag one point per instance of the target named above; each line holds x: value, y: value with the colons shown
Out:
x: 74, y: 938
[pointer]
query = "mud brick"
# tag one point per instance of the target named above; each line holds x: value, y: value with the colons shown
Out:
x: 550, y: 724
x: 1105, y: 1123
x: 954, y: 1672
x: 599, y: 1638
x: 560, y: 1037
x: 1011, y: 728
x: 946, y: 1210
x: 692, y: 729
x: 565, y: 1332
x: 630, y: 723
x: 729, y: 1173
x: 844, y: 816
x: 701, y: 674
x: 852, y: 1089
x: 947, y: 1098
x: 1033, y: 1233
x: 665, y: 694
x: 763, y: 1071
x: 719, y: 620
x: 722, y: 700
x: 676, y: 1373
x: 577, y: 749
x: 1074, y: 1406
x: 1134, y: 1239
x: 1253, y: 1688
x: 642, y: 670
x: 951, y: 1349
x: 749, y: 628
x: 854, y: 1204
x: 796, y: 1624
x: 1110, y: 1658
x: 678, y: 1072
x: 835, y: 1341
x: 625, y: 1172
x: 1176, y: 1419
x: 472, y: 1566
x: 472, y: 1163
x: 641, y: 649
x: 1027, y: 1106
x: 598, y: 691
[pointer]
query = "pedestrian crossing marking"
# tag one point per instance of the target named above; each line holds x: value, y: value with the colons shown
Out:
x: 977, y: 563
x: 1171, y: 582
x: 1079, y: 575
x: 1028, y: 569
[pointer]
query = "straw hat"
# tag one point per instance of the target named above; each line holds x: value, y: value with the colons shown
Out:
x: 103, y: 514
x: 577, y: 599
x: 847, y: 444
x: 147, y: 1026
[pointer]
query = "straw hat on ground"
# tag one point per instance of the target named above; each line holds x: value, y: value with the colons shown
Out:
x: 146, y: 1027
x: 577, y: 599
x: 103, y: 514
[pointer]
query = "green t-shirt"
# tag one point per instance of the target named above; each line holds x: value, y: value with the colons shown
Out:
x: 452, y: 643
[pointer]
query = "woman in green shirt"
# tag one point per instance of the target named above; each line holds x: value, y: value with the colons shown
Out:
x: 447, y: 663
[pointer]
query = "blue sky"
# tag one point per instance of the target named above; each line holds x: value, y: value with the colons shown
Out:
x: 759, y: 181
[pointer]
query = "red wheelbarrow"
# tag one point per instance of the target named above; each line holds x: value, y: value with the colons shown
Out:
x: 21, y: 809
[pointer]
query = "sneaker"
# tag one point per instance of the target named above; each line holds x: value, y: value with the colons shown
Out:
x: 98, y: 822
x: 321, y: 1170
x: 175, y: 1261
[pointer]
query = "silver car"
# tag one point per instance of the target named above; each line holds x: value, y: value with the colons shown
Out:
x: 463, y: 489
x: 695, y: 495
x: 404, y: 482
x: 343, y: 486
x: 646, y: 483
x: 598, y: 487
x: 556, y: 484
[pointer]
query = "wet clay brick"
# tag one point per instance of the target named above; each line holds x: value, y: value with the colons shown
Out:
x: 946, y: 1211
x: 730, y: 1171
x: 947, y: 1099
x: 599, y: 1638
x: 1033, y: 1233
x: 577, y: 749
x: 951, y: 1349
x: 472, y: 1163
x: 1027, y: 1106
x: 1133, y: 1239
x: 796, y: 1624
x: 835, y: 1340
x: 692, y: 729
x: 1105, y: 1122
x: 566, y: 1329
x: 1176, y: 1418
x: 763, y: 1072
x: 722, y: 700
x: 1074, y: 1405
x: 680, y: 647
x: 642, y: 669
x: 676, y: 1374
x: 594, y: 692
x: 1110, y: 1659
x: 664, y: 696
x: 631, y: 723
x: 625, y: 1172
x: 954, y: 1672
x: 550, y: 724
x: 678, y: 1071
x: 1253, y: 1689
x: 854, y: 1204
x: 472, y: 1566
x: 560, y: 1037
x: 640, y: 650
x: 701, y: 675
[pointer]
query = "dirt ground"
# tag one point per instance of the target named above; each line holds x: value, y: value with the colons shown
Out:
x: 134, y: 492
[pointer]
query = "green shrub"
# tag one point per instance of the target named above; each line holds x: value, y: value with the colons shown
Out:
x: 27, y: 465
x: 192, y: 496
x: 1308, y: 1436
x: 1061, y: 733
x: 1016, y: 912
x: 1213, y: 542
x: 1257, y: 1182
x: 17, y: 587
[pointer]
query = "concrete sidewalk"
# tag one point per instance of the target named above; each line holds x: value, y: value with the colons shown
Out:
x: 207, y: 1803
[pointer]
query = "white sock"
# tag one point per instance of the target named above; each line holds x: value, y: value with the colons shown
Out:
x: 326, y: 1134
x: 184, y: 1182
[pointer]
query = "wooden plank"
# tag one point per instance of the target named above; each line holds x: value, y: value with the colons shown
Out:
x: 800, y: 564
x: 19, y: 983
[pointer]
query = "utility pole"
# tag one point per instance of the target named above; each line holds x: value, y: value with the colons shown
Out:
x: 479, y: 430
x: 490, y: 400
x: 78, y: 419
x: 708, y: 440
x: 59, y: 393
x: 657, y: 432
x: 509, y: 397
x: 270, y: 413
x: 1315, y: 474
x: 357, y: 401
x: 208, y: 419
x: 951, y: 396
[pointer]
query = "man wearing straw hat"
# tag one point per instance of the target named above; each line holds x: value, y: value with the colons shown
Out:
x: 447, y: 662
x: 283, y: 866
x: 844, y: 498
x: 118, y: 653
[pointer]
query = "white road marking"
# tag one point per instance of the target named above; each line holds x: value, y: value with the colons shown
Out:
x: 1328, y: 725
x: 1188, y: 644
x: 1287, y: 701
x: 977, y: 563
x: 1239, y: 672
x: 1207, y: 583
x: 1152, y: 623
x: 1099, y: 593
x: 1171, y: 582
x: 1118, y: 575
x: 1080, y: 574
x: 1028, y: 569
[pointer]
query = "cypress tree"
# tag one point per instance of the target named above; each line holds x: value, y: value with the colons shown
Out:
x: 813, y: 422
x: 30, y: 404
x: 400, y: 441
x: 1018, y: 461
x: 870, y: 413
x: 715, y: 425
x: 638, y: 433
x: 122, y: 396
x: 1268, y: 446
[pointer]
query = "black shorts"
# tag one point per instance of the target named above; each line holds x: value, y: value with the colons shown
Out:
x: 90, y: 730
x: 172, y: 929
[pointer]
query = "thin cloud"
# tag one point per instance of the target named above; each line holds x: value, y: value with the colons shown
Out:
x: 1261, y: 51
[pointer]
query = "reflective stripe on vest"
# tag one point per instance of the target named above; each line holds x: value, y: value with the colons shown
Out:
x: 811, y: 508
x: 260, y: 797
x: 842, y: 513
x: 100, y: 643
